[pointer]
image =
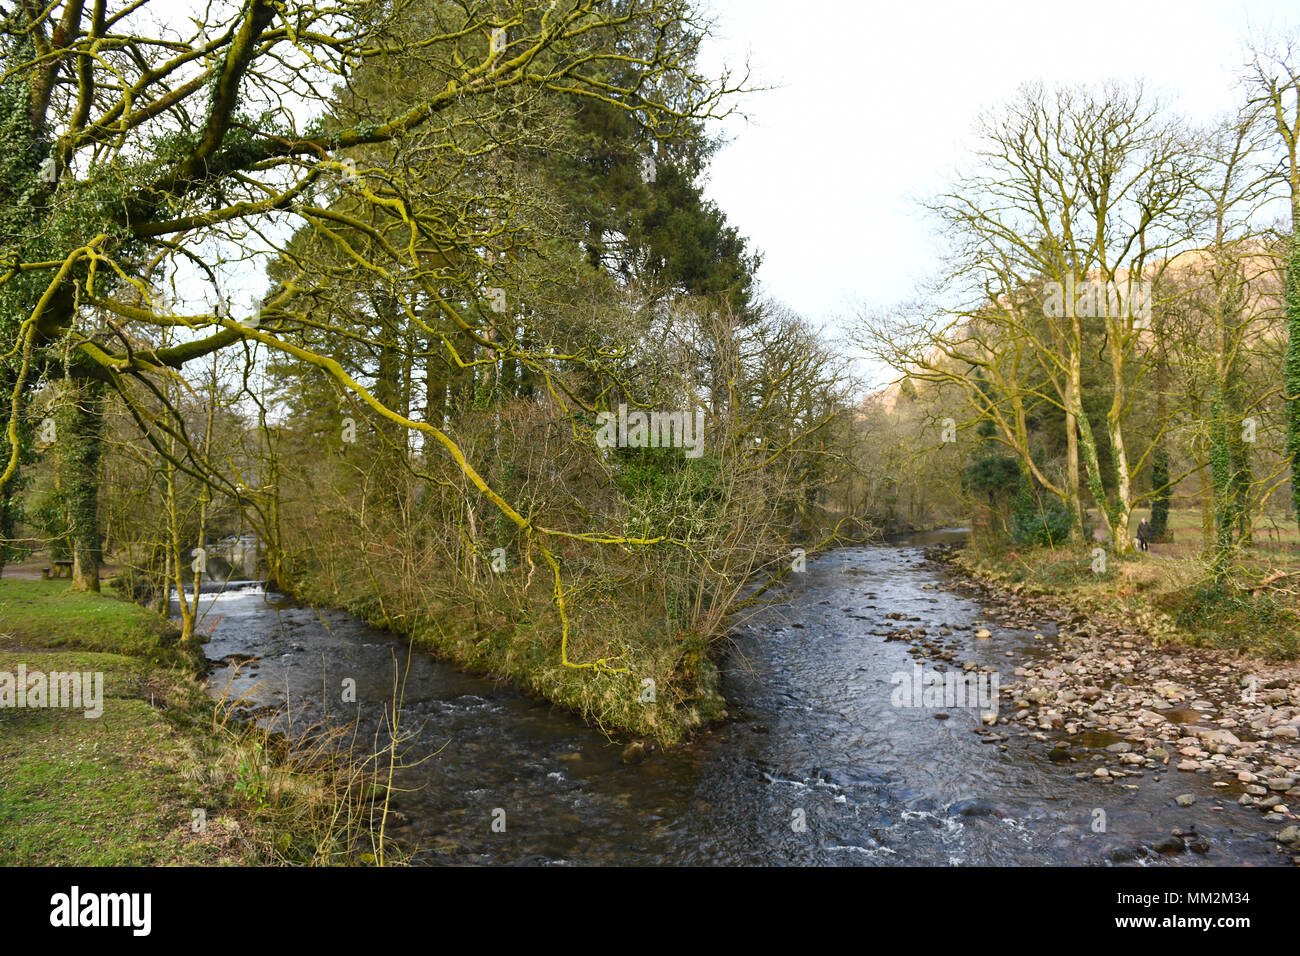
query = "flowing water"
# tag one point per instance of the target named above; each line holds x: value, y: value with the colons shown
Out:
x: 816, y: 767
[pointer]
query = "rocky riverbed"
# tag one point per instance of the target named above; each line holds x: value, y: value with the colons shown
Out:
x: 1109, y: 699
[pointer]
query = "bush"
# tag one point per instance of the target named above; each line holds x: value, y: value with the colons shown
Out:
x: 1042, y: 527
x: 1218, y: 613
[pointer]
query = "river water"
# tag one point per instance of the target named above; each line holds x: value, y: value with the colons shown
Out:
x: 818, y: 765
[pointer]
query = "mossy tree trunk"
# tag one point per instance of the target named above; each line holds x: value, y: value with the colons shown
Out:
x: 1291, y: 368
x: 80, y: 444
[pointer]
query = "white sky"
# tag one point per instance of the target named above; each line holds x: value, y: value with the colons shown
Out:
x: 877, y: 100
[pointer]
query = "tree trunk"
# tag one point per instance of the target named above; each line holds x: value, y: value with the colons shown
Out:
x: 80, y: 443
x: 1122, y: 543
x: 1291, y: 368
x: 1160, y: 458
x: 1073, y: 405
x: 1087, y: 443
x: 1072, y: 474
x: 1207, y: 502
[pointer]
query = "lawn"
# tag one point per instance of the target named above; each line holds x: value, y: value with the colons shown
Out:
x: 49, y: 614
x: 1275, y: 541
x: 121, y: 788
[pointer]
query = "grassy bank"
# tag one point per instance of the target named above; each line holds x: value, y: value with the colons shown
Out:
x: 159, y: 777
x: 671, y: 686
x: 1168, y: 596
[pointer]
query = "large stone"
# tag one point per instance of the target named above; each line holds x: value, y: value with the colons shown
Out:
x: 1170, y: 845
x: 1221, y: 738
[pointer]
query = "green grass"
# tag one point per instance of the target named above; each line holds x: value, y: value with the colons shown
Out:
x: 114, y: 790
x: 1045, y: 569
x: 49, y: 614
x: 123, y: 788
x: 1275, y: 538
x: 1171, y: 599
x: 118, y: 789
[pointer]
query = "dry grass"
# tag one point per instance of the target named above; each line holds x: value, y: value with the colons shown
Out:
x: 1246, y: 609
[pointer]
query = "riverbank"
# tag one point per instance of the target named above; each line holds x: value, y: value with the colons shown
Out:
x: 660, y: 690
x: 140, y: 768
x: 1121, y: 679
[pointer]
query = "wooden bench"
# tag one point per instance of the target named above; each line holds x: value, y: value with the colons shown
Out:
x: 61, y: 569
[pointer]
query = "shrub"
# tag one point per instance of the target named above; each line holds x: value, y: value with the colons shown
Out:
x: 1041, y: 527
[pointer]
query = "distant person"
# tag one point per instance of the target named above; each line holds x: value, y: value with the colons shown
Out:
x: 1144, y: 535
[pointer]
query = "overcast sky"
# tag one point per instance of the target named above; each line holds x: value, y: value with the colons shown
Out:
x: 876, y: 102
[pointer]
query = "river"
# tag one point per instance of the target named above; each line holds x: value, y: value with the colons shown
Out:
x: 818, y: 765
